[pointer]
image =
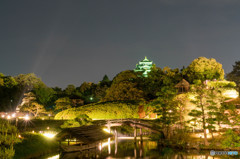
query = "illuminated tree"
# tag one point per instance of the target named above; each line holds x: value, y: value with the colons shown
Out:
x: 33, y: 108
x: 203, y: 69
x: 208, y: 112
x: 63, y: 103
x: 31, y: 105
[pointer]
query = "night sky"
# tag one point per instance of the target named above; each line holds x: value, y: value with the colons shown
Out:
x: 72, y: 41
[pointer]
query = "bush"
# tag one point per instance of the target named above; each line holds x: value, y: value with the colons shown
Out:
x: 231, y: 139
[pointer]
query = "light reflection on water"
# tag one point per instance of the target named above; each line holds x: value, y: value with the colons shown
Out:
x: 128, y: 149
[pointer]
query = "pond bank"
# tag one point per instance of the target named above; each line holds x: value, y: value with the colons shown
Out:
x: 34, y: 146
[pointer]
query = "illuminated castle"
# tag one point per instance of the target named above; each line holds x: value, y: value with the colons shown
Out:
x: 144, y: 66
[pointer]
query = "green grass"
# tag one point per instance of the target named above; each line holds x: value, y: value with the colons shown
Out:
x: 34, y: 145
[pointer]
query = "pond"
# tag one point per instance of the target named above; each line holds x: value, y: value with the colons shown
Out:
x: 128, y: 149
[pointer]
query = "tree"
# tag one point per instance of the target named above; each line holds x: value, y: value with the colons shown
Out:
x: 34, y: 108
x: 165, y: 106
x: 31, y: 105
x: 127, y: 75
x: 156, y: 79
x: 123, y: 91
x: 87, y: 90
x: 232, y: 116
x: 199, y: 115
x: 70, y: 90
x: 8, y: 137
x: 124, y: 87
x: 28, y: 81
x: 105, y: 80
x: 234, y: 75
x: 100, y: 91
x: 8, y: 93
x: 204, y: 69
x: 44, y: 95
x: 207, y: 99
x: 63, y: 103
x: 181, y: 101
x: 80, y: 120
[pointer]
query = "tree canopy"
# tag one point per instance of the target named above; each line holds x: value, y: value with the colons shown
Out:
x: 203, y: 69
x: 124, y: 87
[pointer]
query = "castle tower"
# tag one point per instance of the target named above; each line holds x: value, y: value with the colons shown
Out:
x: 144, y: 66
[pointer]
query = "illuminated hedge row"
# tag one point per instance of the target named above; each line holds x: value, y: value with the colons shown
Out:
x: 106, y: 110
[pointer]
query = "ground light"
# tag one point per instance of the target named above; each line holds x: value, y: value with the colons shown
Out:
x: 49, y: 134
x: 26, y: 117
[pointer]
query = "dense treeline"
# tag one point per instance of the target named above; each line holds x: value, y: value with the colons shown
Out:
x: 125, y: 86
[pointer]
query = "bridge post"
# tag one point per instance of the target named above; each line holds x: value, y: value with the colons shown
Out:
x: 116, y: 141
x: 135, y: 133
x: 109, y: 126
x: 135, y: 150
x: 141, y: 138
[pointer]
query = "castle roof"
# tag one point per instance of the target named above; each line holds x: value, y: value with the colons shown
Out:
x: 146, y: 60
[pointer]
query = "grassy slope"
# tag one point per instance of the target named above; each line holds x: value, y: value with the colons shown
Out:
x: 106, y: 110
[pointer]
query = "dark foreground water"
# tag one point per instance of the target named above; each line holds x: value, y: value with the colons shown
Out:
x: 127, y: 149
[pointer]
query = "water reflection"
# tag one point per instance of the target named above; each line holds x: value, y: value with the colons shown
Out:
x: 54, y: 157
x: 128, y: 149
